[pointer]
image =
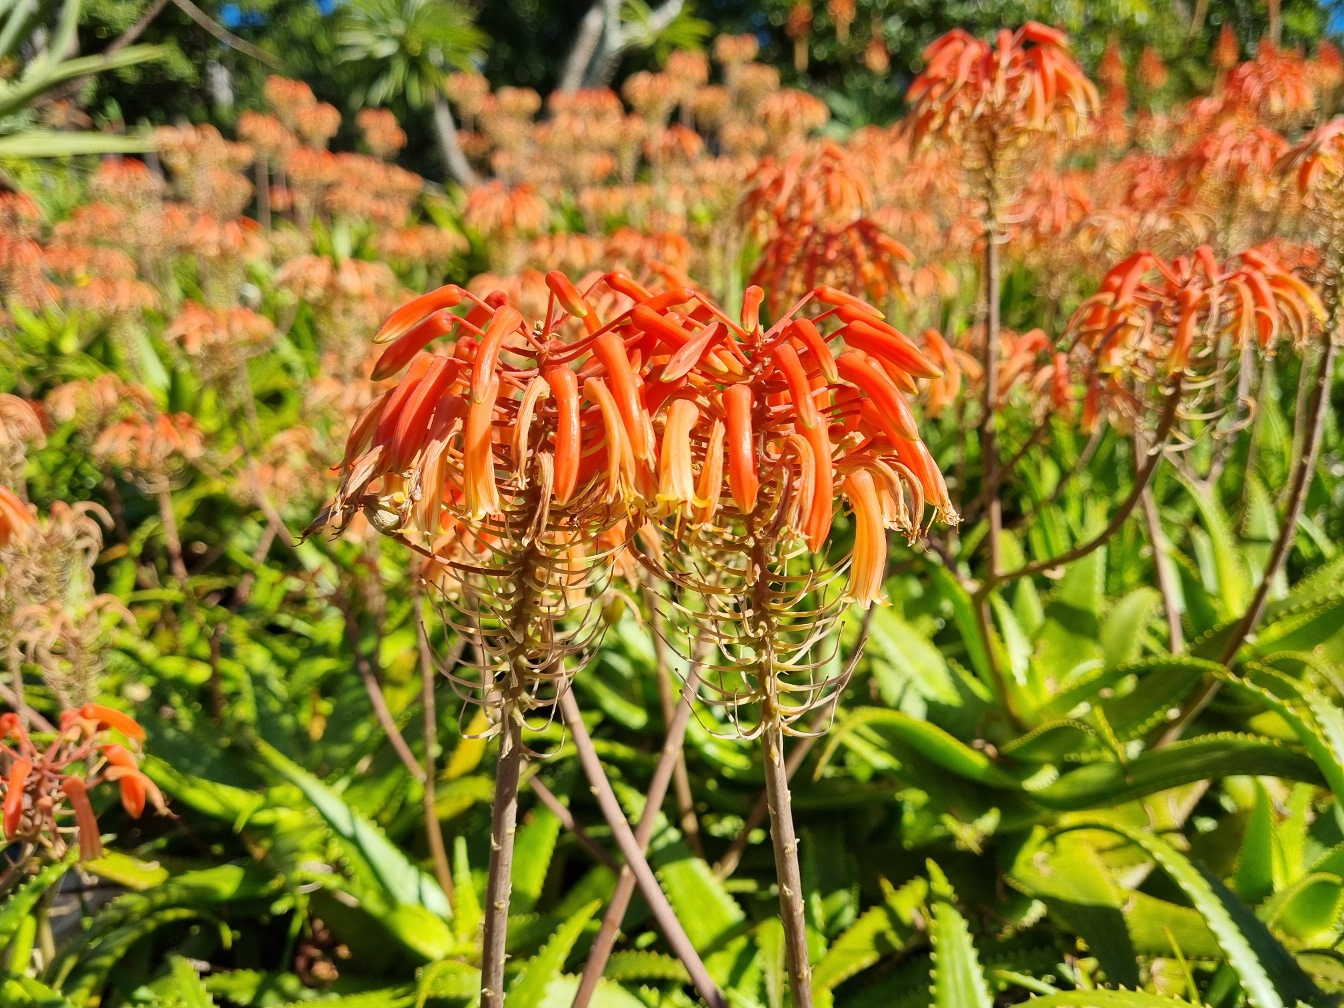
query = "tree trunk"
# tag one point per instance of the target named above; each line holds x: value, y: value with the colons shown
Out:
x: 585, y: 45
x: 454, y: 161
x: 611, y: 45
x: 1197, y: 20
x: 615, y: 41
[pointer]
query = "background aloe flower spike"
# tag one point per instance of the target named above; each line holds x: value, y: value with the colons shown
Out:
x: 44, y: 784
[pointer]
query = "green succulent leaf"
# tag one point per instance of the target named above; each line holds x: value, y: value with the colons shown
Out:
x: 1267, y: 971
x: 930, y: 741
x: 20, y: 903
x: 958, y: 981
x: 529, y: 988
x: 401, y: 880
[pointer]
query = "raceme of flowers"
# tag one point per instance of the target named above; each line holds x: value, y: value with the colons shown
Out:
x: 45, y: 786
x: 656, y: 402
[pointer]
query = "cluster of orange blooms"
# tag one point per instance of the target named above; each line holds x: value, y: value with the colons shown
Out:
x: 45, y: 785
x: 642, y: 416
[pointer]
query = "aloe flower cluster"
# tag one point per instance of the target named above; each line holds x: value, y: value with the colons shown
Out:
x: 640, y: 418
x: 46, y: 784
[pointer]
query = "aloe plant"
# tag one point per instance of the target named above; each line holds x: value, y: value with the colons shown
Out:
x: 43, y: 71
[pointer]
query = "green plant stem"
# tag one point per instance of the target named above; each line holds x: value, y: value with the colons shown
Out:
x: 634, y: 856
x: 21, y: 945
x: 786, y: 860
x: 428, y: 680
x: 1166, y: 577
x: 984, y: 624
x: 663, y: 772
x: 681, y: 781
x: 499, y: 883
x: 1313, y: 430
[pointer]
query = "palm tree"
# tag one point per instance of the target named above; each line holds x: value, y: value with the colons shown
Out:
x: 405, y: 49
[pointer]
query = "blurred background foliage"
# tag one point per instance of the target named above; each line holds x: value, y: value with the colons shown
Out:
x: 204, y: 78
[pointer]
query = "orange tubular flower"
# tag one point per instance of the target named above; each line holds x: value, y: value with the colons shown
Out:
x: 1316, y: 163
x: 14, y: 796
x: 1171, y: 322
x: 676, y: 481
x: 90, y: 842
x: 134, y: 786
x: 870, y: 541
x: 565, y: 388
x: 813, y: 214
x: 742, y: 478
x: 106, y: 717
x: 1021, y: 81
x: 786, y: 461
x: 15, y: 518
x: 637, y: 411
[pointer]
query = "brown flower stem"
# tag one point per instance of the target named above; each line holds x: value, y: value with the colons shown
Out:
x: 377, y: 701
x: 216, y: 678
x: 733, y: 855
x: 663, y: 772
x: 634, y: 855
x: 170, y: 535
x: 786, y: 861
x: 499, y: 883
x: 1142, y: 480
x: 228, y: 38
x: 1299, y: 434
x: 423, y: 773
x: 1313, y: 428
x: 428, y: 680
x: 1166, y: 576
x: 263, y: 193
x: 989, y: 469
x: 681, y: 780
x: 595, y: 850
